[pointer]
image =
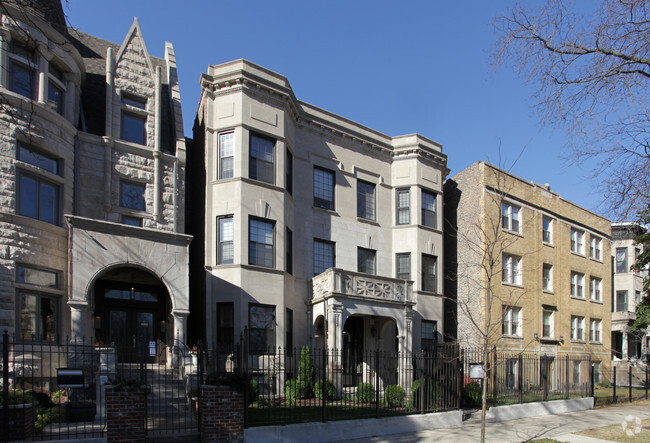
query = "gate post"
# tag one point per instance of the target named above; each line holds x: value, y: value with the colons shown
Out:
x: 629, y: 383
x: 614, y: 381
x: 567, y: 363
x: 520, y: 381
x: 5, y: 384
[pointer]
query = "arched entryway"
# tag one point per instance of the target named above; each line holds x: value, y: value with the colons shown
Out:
x: 132, y: 313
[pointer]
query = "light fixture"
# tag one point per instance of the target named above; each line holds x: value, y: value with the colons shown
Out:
x: 536, y: 336
x: 561, y: 338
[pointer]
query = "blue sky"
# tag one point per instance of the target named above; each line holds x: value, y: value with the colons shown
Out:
x: 398, y: 67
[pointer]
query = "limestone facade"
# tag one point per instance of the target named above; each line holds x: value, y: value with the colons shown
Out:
x: 338, y: 208
x: 532, y: 269
x: 92, y: 160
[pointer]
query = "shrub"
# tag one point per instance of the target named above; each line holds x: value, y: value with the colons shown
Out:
x: 306, y: 373
x: 292, y: 390
x: 18, y: 397
x: 253, y: 391
x: 365, y: 392
x: 329, y: 389
x: 471, y: 394
x: 433, y: 394
x: 394, y: 396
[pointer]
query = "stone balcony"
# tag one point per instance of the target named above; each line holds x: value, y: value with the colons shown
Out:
x: 623, y: 316
x: 339, y: 283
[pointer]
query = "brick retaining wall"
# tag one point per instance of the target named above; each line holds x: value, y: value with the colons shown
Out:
x: 222, y: 414
x: 125, y: 415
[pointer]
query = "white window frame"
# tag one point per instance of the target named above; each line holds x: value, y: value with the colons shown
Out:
x: 511, y: 321
x: 57, y: 84
x: 621, y: 266
x: 547, y: 283
x: 577, y: 285
x: 577, y: 241
x: 225, y: 237
x: 224, y: 137
x: 595, y: 330
x: 511, y: 269
x: 549, y: 230
x: 624, y: 305
x: 403, y: 206
x: 551, y: 324
x: 511, y: 217
x: 595, y: 289
x: 577, y: 328
x: 595, y: 248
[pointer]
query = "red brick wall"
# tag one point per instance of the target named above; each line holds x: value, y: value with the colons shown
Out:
x: 125, y: 415
x: 222, y: 414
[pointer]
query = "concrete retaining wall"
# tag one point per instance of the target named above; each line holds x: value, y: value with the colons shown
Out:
x: 510, y: 412
x: 348, y: 429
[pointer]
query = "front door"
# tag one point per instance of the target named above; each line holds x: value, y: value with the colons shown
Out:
x: 352, y: 351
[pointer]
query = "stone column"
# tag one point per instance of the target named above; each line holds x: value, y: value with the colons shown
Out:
x: 334, y: 332
x: 78, y: 318
x: 405, y: 348
x: 5, y: 39
x: 44, y: 56
x: 624, y: 346
x: 179, y: 341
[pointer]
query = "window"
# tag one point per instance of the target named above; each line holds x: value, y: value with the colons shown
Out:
x: 134, y: 119
x: 226, y: 326
x: 595, y: 248
x: 429, y: 210
x: 510, y: 220
x: 260, y: 245
x: 577, y: 241
x: 595, y: 330
x: 132, y: 195
x: 403, y: 203
x: 547, y: 277
x: 365, y: 200
x: 56, y: 89
x: 577, y: 285
x: 37, y: 313
x: 621, y: 301
x: 366, y: 261
x: 547, y: 230
x: 621, y: 260
x: 38, y: 198
x: 595, y: 289
x: 261, y: 159
x: 261, y: 328
x: 323, y: 256
x: 637, y: 298
x: 429, y: 335
x: 288, y: 173
x: 637, y: 251
x: 403, y: 266
x: 22, y: 71
x: 548, y: 328
x: 511, y: 269
x: 577, y: 328
x: 323, y: 188
x: 288, y: 331
x: 429, y: 273
x: 226, y: 235
x: 511, y: 320
x: 288, y: 251
x: 226, y: 155
x: 132, y: 221
x: 38, y: 159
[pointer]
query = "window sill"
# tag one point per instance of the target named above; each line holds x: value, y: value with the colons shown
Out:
x: 368, y: 221
x: 578, y: 254
x: 573, y: 297
x: 328, y: 211
x: 263, y: 269
x: 512, y: 337
x: 514, y: 285
x: 548, y: 291
x: 600, y: 302
x: 550, y: 245
x: 597, y: 260
x: 575, y: 340
x: 549, y: 340
x: 429, y: 228
x: 508, y: 231
x: 596, y: 343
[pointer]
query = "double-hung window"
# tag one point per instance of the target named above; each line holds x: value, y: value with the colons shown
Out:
x: 510, y: 218
x: 621, y: 301
x: 547, y: 277
x: 261, y: 328
x: 403, y: 206
x: 577, y: 241
x: 38, y: 196
x: 511, y: 269
x: 429, y: 217
x: 595, y: 247
x: 323, y: 256
x: 260, y: 244
x: 595, y: 330
x: 548, y: 321
x: 577, y: 328
x: 366, y: 261
x: 403, y: 266
x: 134, y: 119
x: 56, y: 89
x: 511, y: 320
x: 429, y: 335
x: 577, y: 285
x: 429, y: 273
x: 365, y: 200
x: 261, y: 162
x: 226, y: 234
x: 288, y: 173
x: 323, y: 188
x: 547, y: 230
x: 37, y: 310
x: 22, y: 71
x: 621, y: 260
x: 226, y: 155
x: 595, y: 289
x: 288, y: 251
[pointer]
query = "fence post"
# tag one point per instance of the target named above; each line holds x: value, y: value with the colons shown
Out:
x: 592, y: 380
x: 377, y: 383
x: 566, y: 376
x: 324, y: 383
x: 614, y: 381
x: 421, y: 388
x: 545, y: 377
x: 5, y: 384
x: 520, y: 378
x: 629, y: 383
x: 646, y: 383
x: 494, y: 375
x: 459, y: 375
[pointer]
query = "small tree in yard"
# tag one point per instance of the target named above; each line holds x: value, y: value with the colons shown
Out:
x: 306, y: 373
x: 642, y: 321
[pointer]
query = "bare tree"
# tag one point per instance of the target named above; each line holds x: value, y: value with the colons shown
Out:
x: 592, y: 71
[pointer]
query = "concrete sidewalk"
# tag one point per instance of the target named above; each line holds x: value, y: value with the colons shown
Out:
x: 558, y: 427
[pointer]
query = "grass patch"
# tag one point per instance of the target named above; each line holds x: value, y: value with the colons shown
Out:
x: 632, y: 433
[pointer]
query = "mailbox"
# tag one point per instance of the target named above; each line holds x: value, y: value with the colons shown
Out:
x: 70, y: 378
